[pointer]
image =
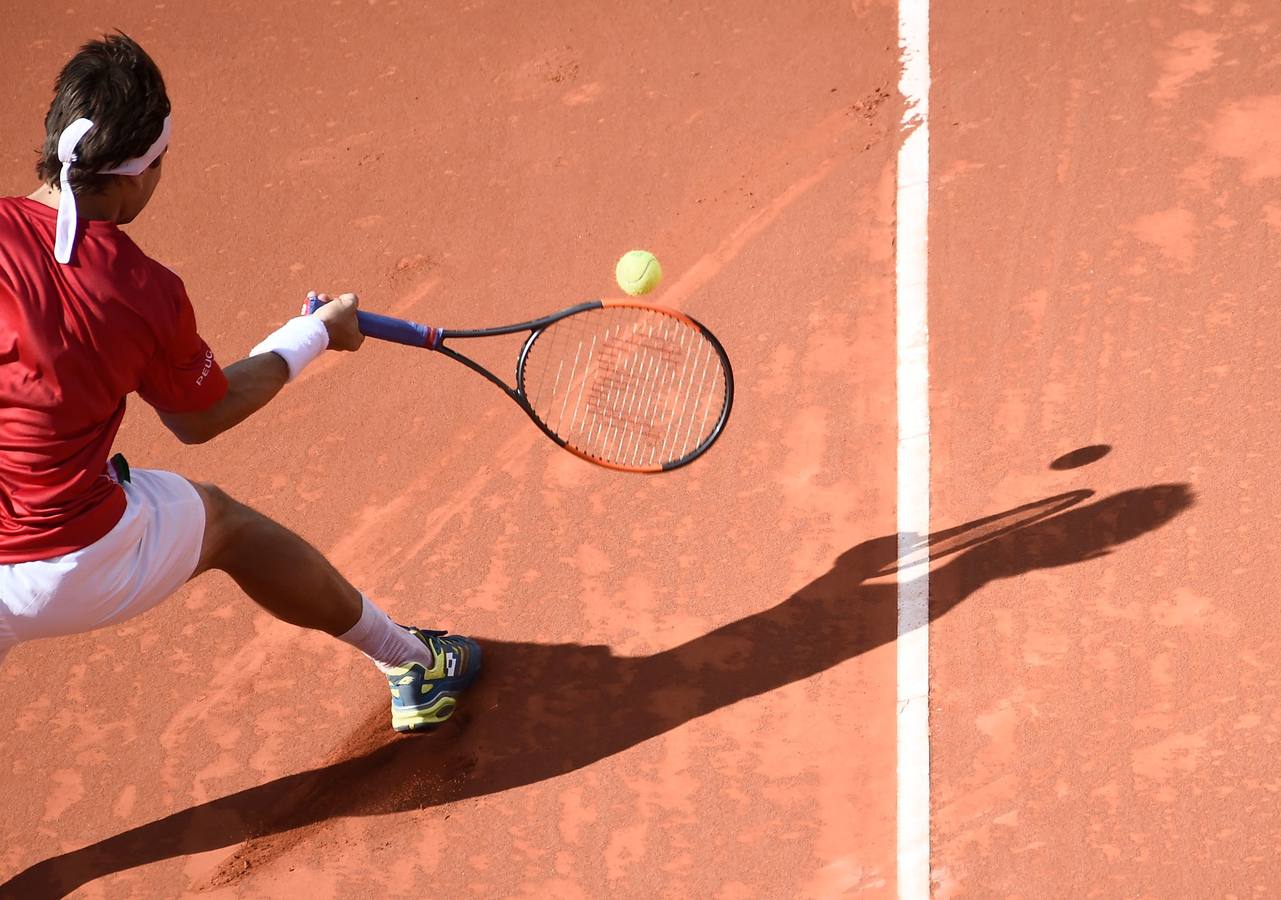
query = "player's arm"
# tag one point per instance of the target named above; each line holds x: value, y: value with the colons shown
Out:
x: 251, y: 383
x: 254, y: 381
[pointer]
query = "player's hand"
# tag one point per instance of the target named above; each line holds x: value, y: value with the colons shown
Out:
x: 339, y: 317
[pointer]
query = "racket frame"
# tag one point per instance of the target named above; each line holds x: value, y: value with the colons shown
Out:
x: 414, y: 334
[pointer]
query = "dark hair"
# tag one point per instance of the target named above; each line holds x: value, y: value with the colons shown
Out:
x: 114, y: 83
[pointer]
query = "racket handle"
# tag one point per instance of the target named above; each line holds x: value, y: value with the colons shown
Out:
x: 387, y: 328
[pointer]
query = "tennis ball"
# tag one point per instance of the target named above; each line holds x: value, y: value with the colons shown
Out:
x: 638, y: 272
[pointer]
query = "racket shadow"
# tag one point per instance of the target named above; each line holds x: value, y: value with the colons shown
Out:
x: 543, y: 710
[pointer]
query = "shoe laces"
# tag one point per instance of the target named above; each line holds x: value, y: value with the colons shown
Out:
x: 433, y: 639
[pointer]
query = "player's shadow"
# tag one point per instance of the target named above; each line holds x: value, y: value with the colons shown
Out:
x: 546, y: 709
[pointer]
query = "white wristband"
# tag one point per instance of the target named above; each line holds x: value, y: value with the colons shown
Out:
x: 297, y: 342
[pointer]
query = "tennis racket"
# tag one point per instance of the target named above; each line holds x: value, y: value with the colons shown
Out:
x: 625, y: 385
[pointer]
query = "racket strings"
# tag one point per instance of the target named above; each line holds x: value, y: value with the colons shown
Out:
x: 631, y: 387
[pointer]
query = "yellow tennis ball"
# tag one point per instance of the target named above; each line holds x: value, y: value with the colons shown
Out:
x: 638, y: 272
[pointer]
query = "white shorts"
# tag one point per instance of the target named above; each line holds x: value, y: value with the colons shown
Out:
x: 149, y: 554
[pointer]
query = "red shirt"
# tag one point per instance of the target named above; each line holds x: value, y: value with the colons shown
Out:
x: 74, y: 341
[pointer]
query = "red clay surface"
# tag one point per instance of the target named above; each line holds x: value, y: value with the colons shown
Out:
x: 1103, y: 241
x: 691, y: 677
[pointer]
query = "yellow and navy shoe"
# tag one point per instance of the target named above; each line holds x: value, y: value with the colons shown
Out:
x: 423, y: 698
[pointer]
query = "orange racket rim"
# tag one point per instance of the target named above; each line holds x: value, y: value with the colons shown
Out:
x: 650, y: 467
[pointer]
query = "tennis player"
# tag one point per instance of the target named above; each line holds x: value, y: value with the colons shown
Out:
x: 87, y: 318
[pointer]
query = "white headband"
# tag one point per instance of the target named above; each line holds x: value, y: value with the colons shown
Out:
x: 65, y: 235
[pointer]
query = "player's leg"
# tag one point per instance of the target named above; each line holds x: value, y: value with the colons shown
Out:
x: 279, y: 570
x: 294, y: 582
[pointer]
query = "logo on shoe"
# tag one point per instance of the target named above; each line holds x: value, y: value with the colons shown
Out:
x: 451, y: 664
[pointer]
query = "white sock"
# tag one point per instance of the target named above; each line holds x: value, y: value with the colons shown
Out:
x: 383, y: 641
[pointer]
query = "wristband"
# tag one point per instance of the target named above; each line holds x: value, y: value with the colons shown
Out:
x: 297, y: 342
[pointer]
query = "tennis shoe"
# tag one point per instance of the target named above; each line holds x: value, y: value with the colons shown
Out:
x: 423, y: 698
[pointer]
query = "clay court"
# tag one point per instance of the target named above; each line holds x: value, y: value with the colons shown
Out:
x: 701, y: 683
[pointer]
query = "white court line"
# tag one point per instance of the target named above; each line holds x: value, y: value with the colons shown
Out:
x: 913, y: 383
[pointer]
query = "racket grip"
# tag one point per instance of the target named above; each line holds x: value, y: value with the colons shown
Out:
x: 387, y: 328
